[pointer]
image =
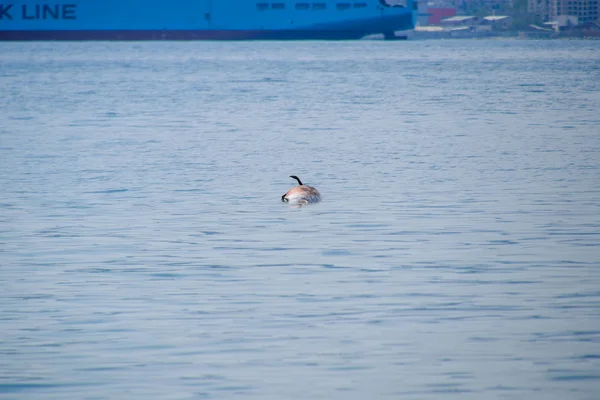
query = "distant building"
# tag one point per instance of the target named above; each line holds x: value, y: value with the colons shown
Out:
x: 587, y: 29
x: 437, y: 14
x: 460, y: 21
x: 584, y: 10
x: 497, y: 22
x: 482, y: 6
x: 541, y: 8
x: 550, y: 10
x: 444, y: 3
x: 465, y: 26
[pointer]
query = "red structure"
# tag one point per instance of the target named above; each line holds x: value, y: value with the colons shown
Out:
x: 438, y: 14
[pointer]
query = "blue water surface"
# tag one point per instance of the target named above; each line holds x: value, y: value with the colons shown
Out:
x: 145, y: 252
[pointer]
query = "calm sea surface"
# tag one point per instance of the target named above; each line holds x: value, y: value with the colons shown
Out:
x: 145, y: 252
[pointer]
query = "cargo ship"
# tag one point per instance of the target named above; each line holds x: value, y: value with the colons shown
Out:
x: 204, y: 19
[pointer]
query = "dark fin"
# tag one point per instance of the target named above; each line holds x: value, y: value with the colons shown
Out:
x: 296, y: 178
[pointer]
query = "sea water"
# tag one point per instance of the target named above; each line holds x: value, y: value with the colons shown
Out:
x: 145, y: 251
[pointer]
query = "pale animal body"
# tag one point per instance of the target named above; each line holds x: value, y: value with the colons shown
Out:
x: 301, y: 194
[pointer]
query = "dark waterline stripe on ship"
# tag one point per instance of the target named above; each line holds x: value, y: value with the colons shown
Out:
x: 77, y: 35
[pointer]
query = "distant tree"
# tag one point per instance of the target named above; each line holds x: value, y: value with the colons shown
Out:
x: 483, y: 12
x: 520, y: 5
x: 521, y: 17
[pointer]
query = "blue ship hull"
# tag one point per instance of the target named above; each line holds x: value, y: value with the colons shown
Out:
x: 202, y: 19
